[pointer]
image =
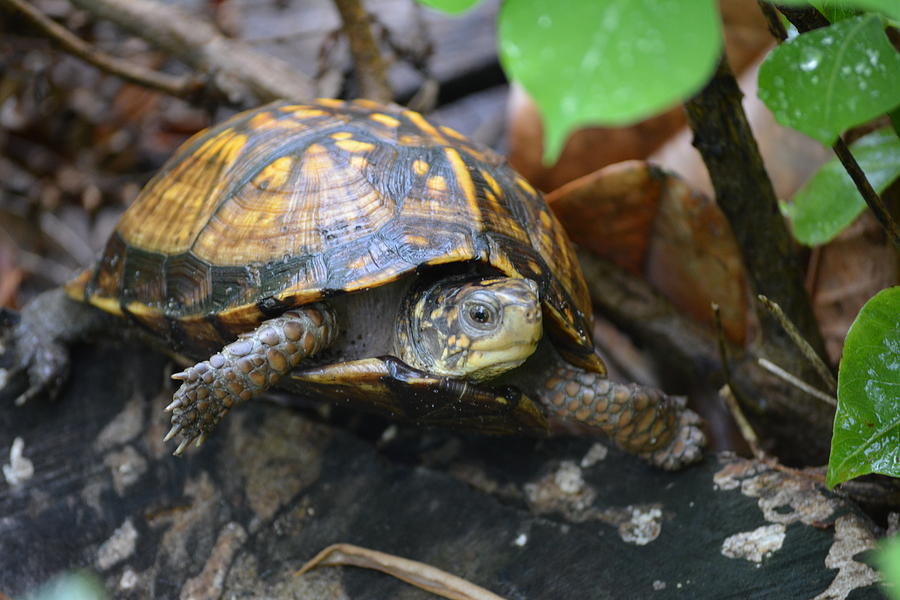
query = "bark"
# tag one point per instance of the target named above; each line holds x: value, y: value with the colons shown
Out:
x: 746, y: 196
x: 557, y: 518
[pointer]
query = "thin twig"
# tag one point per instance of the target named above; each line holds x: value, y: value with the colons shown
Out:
x: 181, y: 87
x: 67, y: 238
x: 797, y: 383
x: 875, y: 202
x: 241, y: 74
x: 720, y: 336
x: 727, y: 392
x: 749, y: 435
x: 371, y: 68
x: 805, y: 349
x: 412, y: 572
x: 808, y: 18
x: 743, y: 425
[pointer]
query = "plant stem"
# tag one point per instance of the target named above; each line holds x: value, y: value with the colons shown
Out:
x: 802, y: 345
x: 371, y: 68
x: 796, y: 382
x: 806, y: 19
x: 243, y: 75
x: 875, y: 202
x: 182, y: 87
x: 746, y: 196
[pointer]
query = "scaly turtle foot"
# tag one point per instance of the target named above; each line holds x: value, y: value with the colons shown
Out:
x: 244, y: 369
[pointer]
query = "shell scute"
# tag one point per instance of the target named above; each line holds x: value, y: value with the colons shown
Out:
x: 295, y: 202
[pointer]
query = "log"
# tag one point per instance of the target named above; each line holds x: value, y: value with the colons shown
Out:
x: 559, y: 518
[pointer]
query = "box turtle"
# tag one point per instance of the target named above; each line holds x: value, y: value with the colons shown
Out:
x: 355, y: 252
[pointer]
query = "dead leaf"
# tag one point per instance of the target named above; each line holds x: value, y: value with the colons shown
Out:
x: 611, y: 211
x: 651, y: 223
x: 845, y: 273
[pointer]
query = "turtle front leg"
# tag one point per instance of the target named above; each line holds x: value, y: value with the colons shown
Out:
x: 246, y: 368
x: 643, y: 421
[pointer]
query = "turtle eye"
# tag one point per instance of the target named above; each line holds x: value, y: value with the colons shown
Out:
x: 480, y: 315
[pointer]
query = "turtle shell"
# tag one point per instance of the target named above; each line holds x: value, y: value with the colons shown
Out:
x: 289, y: 204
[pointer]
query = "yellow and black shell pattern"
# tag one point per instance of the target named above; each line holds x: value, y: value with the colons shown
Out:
x: 289, y: 204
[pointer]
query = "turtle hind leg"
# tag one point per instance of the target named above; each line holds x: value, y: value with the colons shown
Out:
x: 34, y: 355
x: 246, y: 368
x: 33, y: 362
x: 643, y: 421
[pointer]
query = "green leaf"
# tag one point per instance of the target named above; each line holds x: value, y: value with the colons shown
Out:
x: 835, y: 10
x: 606, y: 62
x: 867, y: 423
x: 890, y: 8
x: 829, y: 79
x: 887, y: 559
x: 453, y: 7
x: 829, y: 201
x: 73, y: 585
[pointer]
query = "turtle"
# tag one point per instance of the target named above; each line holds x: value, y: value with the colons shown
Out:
x: 355, y: 252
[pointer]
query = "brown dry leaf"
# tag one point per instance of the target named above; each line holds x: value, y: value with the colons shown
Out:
x: 611, y: 211
x: 651, y: 223
x: 591, y: 148
x: 417, y: 574
x: 586, y: 150
x: 694, y: 259
x: 746, y: 35
x: 845, y: 273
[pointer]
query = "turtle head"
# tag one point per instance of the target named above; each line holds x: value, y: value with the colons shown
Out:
x: 475, y: 328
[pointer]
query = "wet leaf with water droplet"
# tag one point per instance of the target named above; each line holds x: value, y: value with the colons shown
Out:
x: 835, y: 13
x: 837, y: 10
x: 614, y: 62
x: 867, y: 424
x: 829, y: 201
x: 887, y: 559
x: 832, y: 86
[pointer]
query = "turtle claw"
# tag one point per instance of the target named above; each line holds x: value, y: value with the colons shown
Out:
x: 685, y: 448
x: 180, y: 376
x: 181, y: 446
x: 172, y: 432
x: 195, y: 408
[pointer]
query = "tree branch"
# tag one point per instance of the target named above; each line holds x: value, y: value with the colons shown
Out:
x: 370, y: 66
x: 746, y: 196
x: 806, y: 19
x: 243, y: 75
x: 182, y: 87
